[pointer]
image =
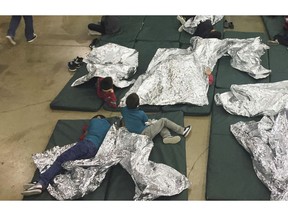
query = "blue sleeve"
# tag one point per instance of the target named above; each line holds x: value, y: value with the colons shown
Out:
x: 145, y: 117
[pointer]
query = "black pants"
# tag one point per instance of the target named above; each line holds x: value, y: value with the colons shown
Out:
x: 282, y: 39
x: 97, y: 27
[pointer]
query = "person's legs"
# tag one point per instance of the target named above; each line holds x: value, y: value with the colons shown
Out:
x: 14, y: 23
x: 29, y: 29
x: 82, y: 150
x: 161, y: 126
x: 96, y: 29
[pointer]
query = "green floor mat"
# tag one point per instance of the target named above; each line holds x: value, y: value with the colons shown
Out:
x: 118, y: 184
x: 274, y: 25
x: 221, y: 119
x: 130, y: 26
x: 278, y: 56
x: 230, y: 173
x: 121, y: 186
x: 160, y: 28
x: 227, y: 75
x: 67, y: 132
x: 78, y: 98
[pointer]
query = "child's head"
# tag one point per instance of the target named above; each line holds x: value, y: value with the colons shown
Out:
x: 106, y: 83
x: 99, y: 116
x: 132, y: 101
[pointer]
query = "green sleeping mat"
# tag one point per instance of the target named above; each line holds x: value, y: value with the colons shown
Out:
x: 82, y: 97
x: 118, y: 184
x: 159, y: 28
x: 278, y: 58
x: 274, y: 25
x: 78, y: 98
x: 227, y: 75
x: 230, y: 173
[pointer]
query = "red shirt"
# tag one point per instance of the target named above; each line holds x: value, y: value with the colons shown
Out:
x: 211, y: 79
x: 109, y: 97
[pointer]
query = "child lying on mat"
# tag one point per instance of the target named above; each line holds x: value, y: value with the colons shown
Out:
x: 105, y: 91
x: 84, y: 149
x: 136, y: 121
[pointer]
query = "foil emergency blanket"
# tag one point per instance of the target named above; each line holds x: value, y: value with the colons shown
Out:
x: 267, y: 143
x: 191, y: 24
x: 177, y: 75
x: 119, y: 146
x: 112, y: 60
x: 254, y: 99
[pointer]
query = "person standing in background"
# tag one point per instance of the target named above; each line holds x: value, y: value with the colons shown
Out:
x: 29, y: 29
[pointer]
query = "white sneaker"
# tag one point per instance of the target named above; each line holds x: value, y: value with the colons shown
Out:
x: 11, y: 39
x: 181, y: 28
x: 181, y: 19
x: 92, y: 33
x: 171, y: 140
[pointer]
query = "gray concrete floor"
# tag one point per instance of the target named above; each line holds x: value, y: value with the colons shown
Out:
x: 31, y: 75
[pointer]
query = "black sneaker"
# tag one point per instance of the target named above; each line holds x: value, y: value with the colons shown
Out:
x: 31, y: 40
x: 76, y: 63
x: 187, y: 130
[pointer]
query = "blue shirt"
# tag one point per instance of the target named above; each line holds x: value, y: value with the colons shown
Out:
x: 97, y: 130
x: 134, y: 119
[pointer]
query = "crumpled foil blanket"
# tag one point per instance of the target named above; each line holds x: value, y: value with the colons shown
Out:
x: 254, y: 99
x: 191, y: 24
x: 267, y: 143
x: 112, y: 60
x: 131, y: 150
x: 176, y: 75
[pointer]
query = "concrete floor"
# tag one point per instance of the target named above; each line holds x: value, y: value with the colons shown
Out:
x: 31, y: 75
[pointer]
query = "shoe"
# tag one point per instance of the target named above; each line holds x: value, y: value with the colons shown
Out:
x: 180, y: 29
x: 94, y: 43
x: 93, y: 33
x: 171, y: 140
x: 76, y: 63
x: 31, y: 192
x: 11, y: 39
x: 29, y: 185
x: 187, y: 131
x: 31, y: 40
x: 226, y: 24
x: 181, y: 19
x: 272, y: 42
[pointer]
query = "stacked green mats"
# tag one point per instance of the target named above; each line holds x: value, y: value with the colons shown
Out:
x: 118, y: 184
x: 145, y: 34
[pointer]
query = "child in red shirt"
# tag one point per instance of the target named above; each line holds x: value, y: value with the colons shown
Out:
x: 105, y: 91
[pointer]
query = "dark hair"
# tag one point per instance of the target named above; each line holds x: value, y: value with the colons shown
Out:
x: 214, y: 34
x: 132, y: 101
x: 99, y: 116
x: 106, y: 83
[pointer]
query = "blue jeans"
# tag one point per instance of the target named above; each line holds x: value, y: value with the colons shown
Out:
x: 14, y: 23
x: 82, y: 150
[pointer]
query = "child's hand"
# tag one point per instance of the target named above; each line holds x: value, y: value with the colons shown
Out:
x: 208, y: 71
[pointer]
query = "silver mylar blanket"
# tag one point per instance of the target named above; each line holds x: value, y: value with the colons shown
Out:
x: 254, y: 99
x: 267, y: 143
x: 191, y: 24
x: 112, y: 60
x: 131, y: 150
x: 176, y: 75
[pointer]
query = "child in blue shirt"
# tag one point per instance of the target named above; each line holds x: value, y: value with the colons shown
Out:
x: 136, y: 121
x: 84, y: 149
